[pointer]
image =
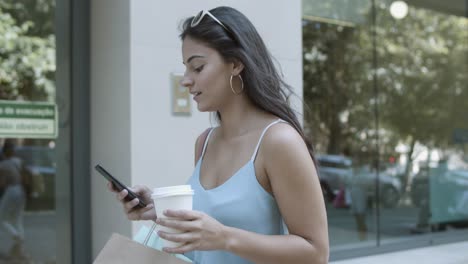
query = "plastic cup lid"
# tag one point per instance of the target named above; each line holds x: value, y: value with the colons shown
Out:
x: 172, y: 190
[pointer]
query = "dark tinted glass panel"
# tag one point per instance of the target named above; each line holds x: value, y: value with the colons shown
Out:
x: 387, y: 113
x: 27, y: 166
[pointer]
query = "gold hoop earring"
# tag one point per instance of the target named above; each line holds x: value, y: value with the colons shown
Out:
x: 242, y: 85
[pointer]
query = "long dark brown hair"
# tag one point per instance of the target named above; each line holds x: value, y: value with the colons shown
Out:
x: 263, y: 83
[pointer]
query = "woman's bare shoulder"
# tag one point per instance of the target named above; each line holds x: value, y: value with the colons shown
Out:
x: 283, y: 146
x: 282, y: 135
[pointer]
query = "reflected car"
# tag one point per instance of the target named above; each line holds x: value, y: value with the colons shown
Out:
x: 336, y: 171
x: 444, y: 192
x: 390, y: 187
x: 333, y: 171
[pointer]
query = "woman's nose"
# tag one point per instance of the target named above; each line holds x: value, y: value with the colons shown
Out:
x: 186, y: 82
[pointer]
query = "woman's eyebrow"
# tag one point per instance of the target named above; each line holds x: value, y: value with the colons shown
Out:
x: 193, y: 57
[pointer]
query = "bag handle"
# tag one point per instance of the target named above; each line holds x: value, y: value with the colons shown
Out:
x: 147, y: 238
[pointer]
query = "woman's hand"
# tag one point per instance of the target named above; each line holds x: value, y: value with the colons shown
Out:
x: 200, y: 231
x: 132, y: 212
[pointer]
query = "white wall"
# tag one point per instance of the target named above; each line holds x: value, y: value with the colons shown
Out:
x: 131, y: 91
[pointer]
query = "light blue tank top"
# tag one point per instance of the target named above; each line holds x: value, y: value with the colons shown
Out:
x: 240, y: 202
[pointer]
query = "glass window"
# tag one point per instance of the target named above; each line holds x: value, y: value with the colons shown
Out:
x: 387, y: 115
x: 27, y: 159
x: 339, y: 118
x: 422, y: 53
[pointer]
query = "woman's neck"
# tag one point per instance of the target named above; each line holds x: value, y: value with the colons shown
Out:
x: 239, y: 118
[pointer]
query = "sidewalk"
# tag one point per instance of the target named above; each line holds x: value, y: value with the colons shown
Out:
x: 456, y: 253
x: 41, y: 245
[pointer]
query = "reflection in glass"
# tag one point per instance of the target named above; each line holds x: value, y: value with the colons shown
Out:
x: 27, y: 74
x: 338, y: 96
x: 413, y: 180
x: 13, y: 184
x: 399, y: 9
x: 423, y: 100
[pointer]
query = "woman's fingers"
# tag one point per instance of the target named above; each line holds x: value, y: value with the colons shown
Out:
x: 188, y: 240
x: 138, y: 189
x: 187, y: 247
x: 182, y: 225
x: 135, y: 213
x: 187, y: 215
x: 143, y: 192
x: 110, y: 186
x: 121, y: 195
x: 180, y: 238
x: 130, y: 205
x: 148, y: 213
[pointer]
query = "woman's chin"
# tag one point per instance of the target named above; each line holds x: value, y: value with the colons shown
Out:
x: 206, y: 108
x: 201, y: 108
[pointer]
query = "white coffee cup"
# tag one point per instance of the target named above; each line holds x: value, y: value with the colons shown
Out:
x: 177, y: 197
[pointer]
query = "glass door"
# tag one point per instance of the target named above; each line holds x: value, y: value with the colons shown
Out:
x: 30, y: 218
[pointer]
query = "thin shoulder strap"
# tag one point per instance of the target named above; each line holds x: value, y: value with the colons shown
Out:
x: 200, y: 143
x: 206, y: 142
x: 261, y: 137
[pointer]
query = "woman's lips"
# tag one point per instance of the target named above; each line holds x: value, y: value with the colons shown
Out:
x: 196, y: 95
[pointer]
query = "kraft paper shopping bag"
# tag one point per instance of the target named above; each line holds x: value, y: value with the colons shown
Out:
x: 149, y: 238
x: 122, y: 250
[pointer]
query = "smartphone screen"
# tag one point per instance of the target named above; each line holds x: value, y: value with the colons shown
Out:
x: 119, y: 186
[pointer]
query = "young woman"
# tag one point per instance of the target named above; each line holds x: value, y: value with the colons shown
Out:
x: 252, y: 172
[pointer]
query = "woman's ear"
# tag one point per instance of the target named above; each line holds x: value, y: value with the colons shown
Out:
x: 237, y: 67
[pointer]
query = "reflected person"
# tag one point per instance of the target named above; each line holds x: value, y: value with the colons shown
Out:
x: 13, y: 201
x: 359, y: 199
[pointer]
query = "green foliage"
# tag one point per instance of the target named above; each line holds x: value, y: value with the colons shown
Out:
x: 424, y: 82
x: 27, y: 51
x: 38, y: 13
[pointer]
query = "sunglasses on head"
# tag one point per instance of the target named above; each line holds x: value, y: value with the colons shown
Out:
x: 199, y: 17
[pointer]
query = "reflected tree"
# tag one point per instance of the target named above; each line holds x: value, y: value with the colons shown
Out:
x: 27, y: 50
x: 422, y: 61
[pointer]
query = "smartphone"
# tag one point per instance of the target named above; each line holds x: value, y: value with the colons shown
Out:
x: 119, y: 186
